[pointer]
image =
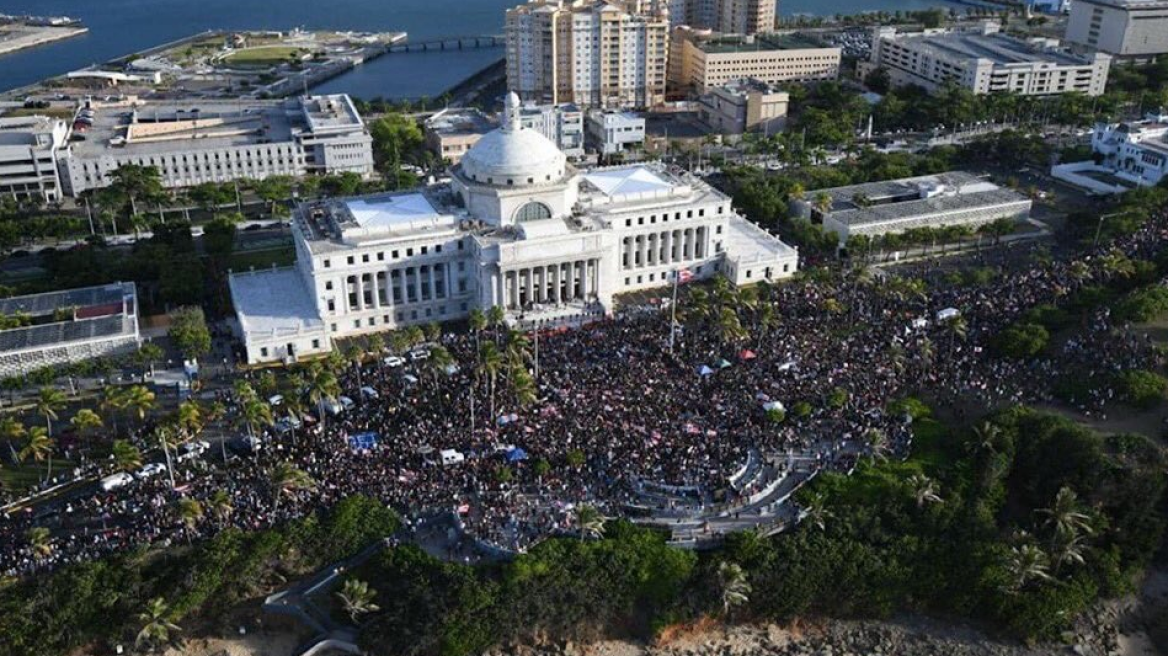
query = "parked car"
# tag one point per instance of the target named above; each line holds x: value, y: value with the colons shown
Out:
x: 347, y: 403
x: 419, y: 354
x: 192, y: 450
x: 114, y: 481
x: 394, y: 361
x: 150, y: 470
x: 245, y: 445
x: 369, y: 393
x: 332, y: 407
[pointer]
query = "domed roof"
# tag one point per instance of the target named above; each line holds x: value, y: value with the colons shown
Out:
x: 514, y: 156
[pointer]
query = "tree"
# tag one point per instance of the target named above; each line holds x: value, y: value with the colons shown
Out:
x: 148, y: 354
x: 477, y: 321
x: 1024, y: 565
x: 39, y: 446
x: 132, y: 183
x: 523, y: 386
x: 126, y: 456
x: 728, y: 327
x: 924, y: 490
x: 734, y: 588
x: 287, y: 481
x: 12, y: 431
x: 190, y: 418
x: 49, y: 401
x: 439, y: 361
x: 255, y: 414
x: 139, y: 401
x: 188, y: 330
x: 1065, y: 516
x: 220, y: 504
x: 590, y: 522
x: 190, y: 511
x: 157, y: 629
x: 321, y: 384
x: 85, y: 420
x: 357, y: 598
x: 39, y: 542
x: 490, y: 364
x: 274, y: 189
x: 496, y: 317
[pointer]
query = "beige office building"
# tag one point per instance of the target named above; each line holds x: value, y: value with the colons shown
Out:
x: 701, y: 61
x: 591, y: 53
x: 726, y: 16
x: 1127, y: 29
x: 745, y: 106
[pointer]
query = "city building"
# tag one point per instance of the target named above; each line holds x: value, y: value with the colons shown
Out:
x: 1127, y: 155
x: 516, y: 227
x: 985, y: 61
x: 931, y: 201
x: 726, y: 16
x: 452, y: 132
x: 742, y: 106
x: 29, y: 147
x: 216, y: 141
x: 701, y: 61
x: 562, y: 124
x: 592, y: 53
x: 1135, y: 30
x: 68, y: 326
x: 611, y: 132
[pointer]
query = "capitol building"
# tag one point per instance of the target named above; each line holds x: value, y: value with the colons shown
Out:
x: 516, y: 226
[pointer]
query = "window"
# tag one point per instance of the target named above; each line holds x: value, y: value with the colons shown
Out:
x: 409, y: 252
x: 381, y: 256
x: 264, y: 352
x: 327, y: 264
x: 533, y: 211
x: 316, y: 343
x: 395, y: 254
x: 365, y: 257
x: 351, y: 260
x: 328, y: 285
x: 333, y: 327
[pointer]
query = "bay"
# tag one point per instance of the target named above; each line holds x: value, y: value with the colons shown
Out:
x: 120, y: 27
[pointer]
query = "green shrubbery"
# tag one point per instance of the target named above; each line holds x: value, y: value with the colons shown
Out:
x: 96, y: 602
x: 1021, y: 340
x: 1143, y: 304
x: 1141, y: 389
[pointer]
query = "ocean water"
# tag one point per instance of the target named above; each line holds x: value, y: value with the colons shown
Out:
x: 120, y: 27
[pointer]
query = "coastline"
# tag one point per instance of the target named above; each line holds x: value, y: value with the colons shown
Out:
x: 39, y: 37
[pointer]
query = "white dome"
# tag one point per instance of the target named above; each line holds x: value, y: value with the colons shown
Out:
x: 514, y: 156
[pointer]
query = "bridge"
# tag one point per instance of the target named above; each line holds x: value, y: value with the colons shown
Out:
x: 449, y: 43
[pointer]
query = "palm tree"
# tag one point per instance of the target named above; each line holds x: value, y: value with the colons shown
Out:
x: 924, y: 490
x: 254, y: 413
x: 220, y: 503
x: 139, y: 401
x: 590, y: 522
x: 766, y: 320
x: 113, y: 401
x: 523, y: 386
x: 477, y: 321
x: 958, y: 329
x: 357, y: 598
x: 985, y: 438
x: 877, y: 441
x: 190, y: 418
x: 190, y: 511
x: 85, y: 420
x: 1068, y: 550
x: 734, y: 586
x: 1116, y: 265
x: 39, y: 542
x: 490, y: 364
x: 38, y: 446
x: 1065, y: 515
x: 1025, y: 564
x: 295, y: 409
x: 729, y: 328
x: 48, y: 403
x: 157, y: 627
x: 321, y: 384
x: 927, y: 352
x: 12, y: 431
x: 822, y: 203
x: 517, y: 348
x: 495, y: 318
x: 439, y: 361
x: 126, y: 456
x: 816, y: 512
x: 288, y: 480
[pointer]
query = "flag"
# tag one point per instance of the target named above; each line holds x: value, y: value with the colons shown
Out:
x: 683, y: 276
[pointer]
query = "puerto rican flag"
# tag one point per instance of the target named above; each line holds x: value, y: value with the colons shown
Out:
x: 683, y: 276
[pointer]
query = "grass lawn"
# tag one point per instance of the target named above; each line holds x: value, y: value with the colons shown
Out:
x: 263, y: 56
x: 244, y: 260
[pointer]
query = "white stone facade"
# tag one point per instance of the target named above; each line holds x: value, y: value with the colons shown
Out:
x: 517, y: 227
x: 1134, y: 30
x: 219, y: 143
x: 29, y: 147
x: 986, y: 61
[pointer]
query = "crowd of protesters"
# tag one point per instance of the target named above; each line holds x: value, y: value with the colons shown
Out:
x: 616, y: 409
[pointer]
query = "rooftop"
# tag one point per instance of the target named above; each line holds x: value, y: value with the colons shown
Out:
x: 1001, y: 49
x: 879, y: 202
x: 330, y: 112
x: 273, y: 303
x: 758, y: 42
x: 41, y: 304
x: 461, y: 121
x: 1131, y: 4
x: 748, y: 242
x: 743, y: 86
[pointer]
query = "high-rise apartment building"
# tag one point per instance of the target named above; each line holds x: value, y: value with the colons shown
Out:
x: 726, y: 16
x: 593, y: 53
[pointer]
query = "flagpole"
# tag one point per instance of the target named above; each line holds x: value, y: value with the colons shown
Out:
x: 673, y: 313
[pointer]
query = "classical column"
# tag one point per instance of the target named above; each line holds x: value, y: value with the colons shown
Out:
x: 627, y: 253
x: 643, y: 248
x: 512, y: 289
x: 433, y: 284
x: 664, y: 259
x: 405, y: 285
x: 701, y: 242
x: 556, y: 283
